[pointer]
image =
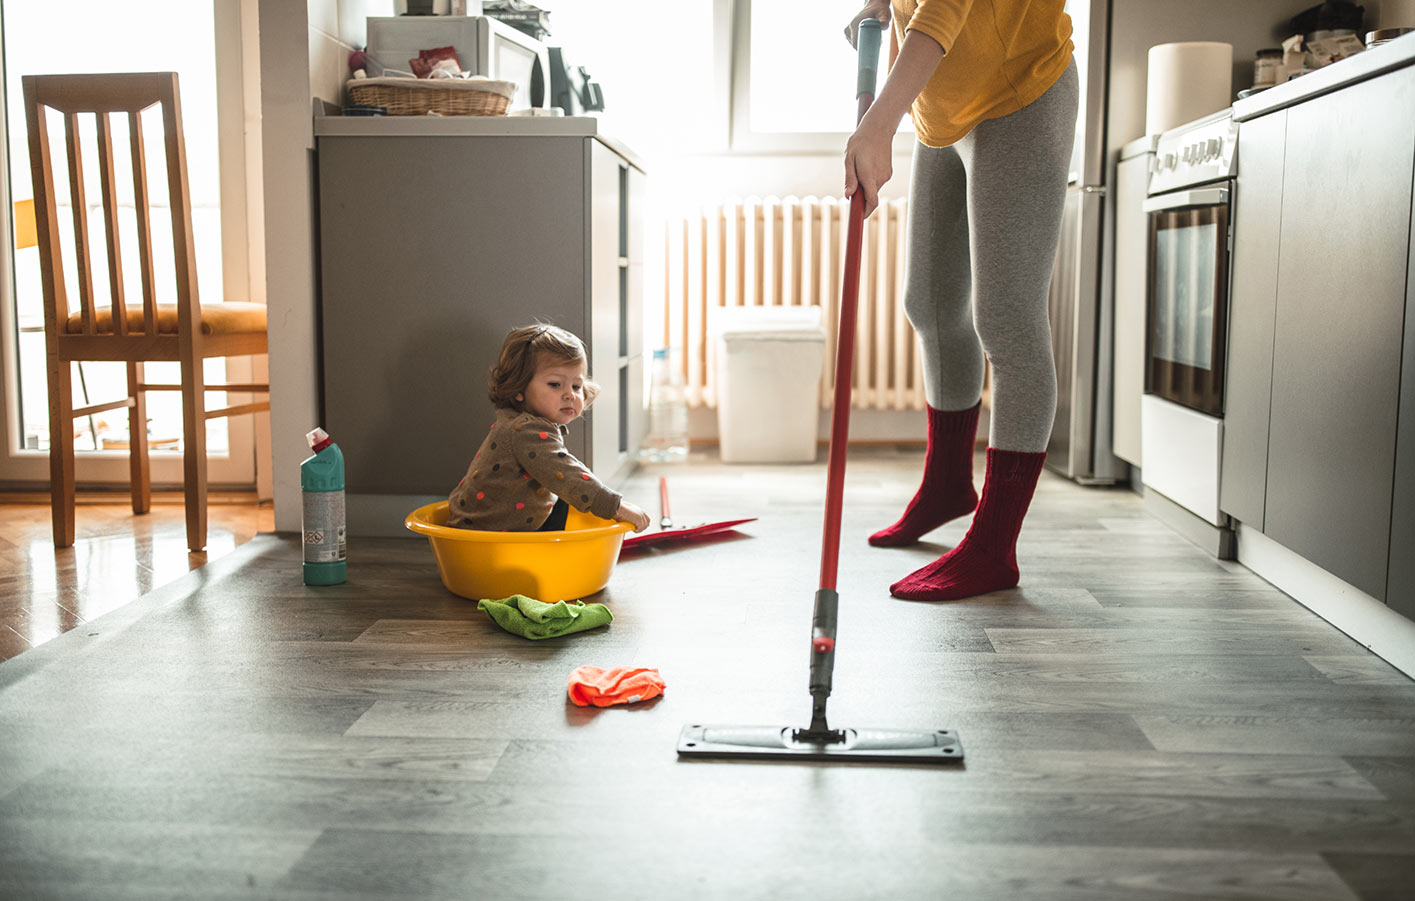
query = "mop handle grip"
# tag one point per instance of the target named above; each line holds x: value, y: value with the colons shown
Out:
x: 867, y: 61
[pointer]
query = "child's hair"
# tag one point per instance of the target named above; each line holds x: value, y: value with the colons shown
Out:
x: 525, y: 350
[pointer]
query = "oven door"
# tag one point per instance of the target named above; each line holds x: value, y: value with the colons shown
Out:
x: 1188, y: 297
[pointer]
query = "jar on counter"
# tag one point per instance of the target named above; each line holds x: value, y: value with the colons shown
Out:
x: 1382, y: 35
x: 1267, y: 67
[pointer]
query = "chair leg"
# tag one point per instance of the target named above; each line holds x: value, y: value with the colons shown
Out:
x: 194, y: 453
x: 61, y: 450
x: 139, y: 465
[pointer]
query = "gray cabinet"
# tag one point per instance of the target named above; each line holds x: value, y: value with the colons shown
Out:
x: 1341, y: 291
x: 1400, y: 591
x: 436, y: 238
x: 1257, y: 213
x: 616, y: 314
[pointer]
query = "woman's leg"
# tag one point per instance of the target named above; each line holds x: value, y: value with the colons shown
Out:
x: 937, y: 291
x: 1017, y: 172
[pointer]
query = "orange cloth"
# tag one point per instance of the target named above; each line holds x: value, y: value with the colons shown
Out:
x: 618, y: 685
x: 999, y: 56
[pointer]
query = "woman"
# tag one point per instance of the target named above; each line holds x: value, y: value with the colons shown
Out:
x: 993, y: 92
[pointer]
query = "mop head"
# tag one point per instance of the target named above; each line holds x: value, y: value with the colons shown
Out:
x: 866, y: 745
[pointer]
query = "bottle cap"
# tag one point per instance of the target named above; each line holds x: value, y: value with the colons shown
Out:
x: 319, y: 440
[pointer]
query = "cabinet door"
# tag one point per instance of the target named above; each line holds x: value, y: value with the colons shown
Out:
x: 1337, y: 338
x: 1131, y: 284
x: 1257, y: 219
x: 1400, y: 594
x: 606, y: 272
x: 634, y: 301
x: 426, y: 263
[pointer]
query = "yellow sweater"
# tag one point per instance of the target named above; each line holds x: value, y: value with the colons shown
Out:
x: 999, y: 56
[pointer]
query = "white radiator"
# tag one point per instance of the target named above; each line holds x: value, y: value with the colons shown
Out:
x: 791, y: 252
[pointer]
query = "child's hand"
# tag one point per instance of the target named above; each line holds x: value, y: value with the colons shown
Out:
x: 632, y: 515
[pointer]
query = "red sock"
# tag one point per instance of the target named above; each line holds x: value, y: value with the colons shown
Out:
x: 946, y: 491
x: 986, y: 559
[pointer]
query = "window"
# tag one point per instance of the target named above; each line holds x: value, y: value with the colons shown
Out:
x: 794, y: 77
x: 102, y: 35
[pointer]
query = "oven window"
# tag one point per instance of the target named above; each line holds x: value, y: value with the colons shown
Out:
x: 1187, y: 309
x: 1184, y: 294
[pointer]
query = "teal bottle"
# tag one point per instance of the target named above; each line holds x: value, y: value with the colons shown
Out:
x: 322, y: 484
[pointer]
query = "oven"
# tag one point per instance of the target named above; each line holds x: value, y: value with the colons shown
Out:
x: 1189, y: 202
x: 1187, y: 302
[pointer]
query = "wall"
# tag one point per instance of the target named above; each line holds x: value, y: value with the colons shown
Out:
x: 1390, y: 13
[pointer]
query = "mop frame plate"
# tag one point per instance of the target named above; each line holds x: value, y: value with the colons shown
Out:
x: 865, y: 745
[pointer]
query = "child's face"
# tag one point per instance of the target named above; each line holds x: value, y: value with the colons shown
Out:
x: 556, y: 392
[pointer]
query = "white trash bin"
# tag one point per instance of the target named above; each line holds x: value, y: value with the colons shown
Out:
x: 768, y: 362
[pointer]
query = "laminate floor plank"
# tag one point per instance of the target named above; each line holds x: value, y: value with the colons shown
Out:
x: 780, y: 867
x: 1372, y: 736
x: 1139, y: 721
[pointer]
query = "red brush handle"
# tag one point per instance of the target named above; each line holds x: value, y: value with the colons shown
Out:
x: 844, y: 380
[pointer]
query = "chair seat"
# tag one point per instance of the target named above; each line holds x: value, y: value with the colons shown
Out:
x: 216, y: 319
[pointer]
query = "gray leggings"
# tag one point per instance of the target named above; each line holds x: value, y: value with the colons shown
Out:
x: 984, y: 221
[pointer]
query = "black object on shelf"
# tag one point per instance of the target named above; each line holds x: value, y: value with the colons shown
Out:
x: 520, y: 15
x: 1333, y: 15
x: 570, y: 86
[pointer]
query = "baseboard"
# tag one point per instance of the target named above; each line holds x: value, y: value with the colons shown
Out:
x: 1216, y: 541
x: 1384, y: 632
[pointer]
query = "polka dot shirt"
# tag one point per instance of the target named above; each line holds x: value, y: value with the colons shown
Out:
x: 520, y: 469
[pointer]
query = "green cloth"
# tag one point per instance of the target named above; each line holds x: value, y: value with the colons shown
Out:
x: 530, y: 618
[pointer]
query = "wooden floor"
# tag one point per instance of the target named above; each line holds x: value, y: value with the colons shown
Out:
x: 1139, y: 721
x: 116, y: 558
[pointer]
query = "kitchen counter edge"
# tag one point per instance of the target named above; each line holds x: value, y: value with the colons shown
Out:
x: 470, y: 126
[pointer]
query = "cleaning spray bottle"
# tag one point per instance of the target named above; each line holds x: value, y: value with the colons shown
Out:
x: 322, y: 481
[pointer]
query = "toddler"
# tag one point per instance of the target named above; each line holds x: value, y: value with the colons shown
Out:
x: 538, y: 387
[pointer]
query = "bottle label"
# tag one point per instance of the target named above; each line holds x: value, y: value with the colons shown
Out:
x: 324, y: 526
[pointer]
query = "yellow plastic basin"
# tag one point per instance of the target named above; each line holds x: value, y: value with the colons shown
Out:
x: 547, y: 566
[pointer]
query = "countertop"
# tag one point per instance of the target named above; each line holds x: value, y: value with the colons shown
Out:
x: 1387, y: 57
x: 470, y: 126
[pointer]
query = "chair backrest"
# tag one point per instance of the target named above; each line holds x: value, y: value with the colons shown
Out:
x: 103, y: 96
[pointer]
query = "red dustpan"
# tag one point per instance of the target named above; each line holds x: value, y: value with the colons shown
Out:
x: 669, y: 535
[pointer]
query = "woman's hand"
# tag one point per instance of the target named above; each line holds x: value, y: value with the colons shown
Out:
x: 873, y: 9
x: 632, y: 515
x: 869, y: 161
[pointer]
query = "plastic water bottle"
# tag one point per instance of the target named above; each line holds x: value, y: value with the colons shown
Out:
x: 322, y: 481
x: 668, y: 412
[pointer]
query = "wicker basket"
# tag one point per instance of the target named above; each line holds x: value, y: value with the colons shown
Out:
x: 444, y: 96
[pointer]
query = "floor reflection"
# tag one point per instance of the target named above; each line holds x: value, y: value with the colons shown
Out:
x: 116, y: 558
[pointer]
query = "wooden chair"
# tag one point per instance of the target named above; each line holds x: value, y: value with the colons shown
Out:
x: 187, y: 332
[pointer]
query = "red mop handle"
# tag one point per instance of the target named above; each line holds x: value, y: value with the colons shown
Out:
x: 844, y: 375
x: 844, y: 379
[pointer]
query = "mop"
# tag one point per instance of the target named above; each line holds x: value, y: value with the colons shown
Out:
x: 819, y: 741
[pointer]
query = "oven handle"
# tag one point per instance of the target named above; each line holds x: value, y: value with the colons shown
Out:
x: 1181, y: 199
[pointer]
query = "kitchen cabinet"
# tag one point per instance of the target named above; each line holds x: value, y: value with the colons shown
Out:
x: 1132, y: 283
x: 437, y: 236
x: 1257, y: 214
x: 1400, y: 590
x: 1337, y: 334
